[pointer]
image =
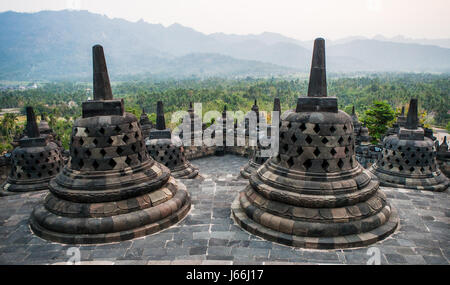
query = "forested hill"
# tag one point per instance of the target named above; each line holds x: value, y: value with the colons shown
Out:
x: 397, y: 89
x: 57, y: 45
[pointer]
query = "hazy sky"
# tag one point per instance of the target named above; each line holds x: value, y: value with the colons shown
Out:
x: 299, y: 19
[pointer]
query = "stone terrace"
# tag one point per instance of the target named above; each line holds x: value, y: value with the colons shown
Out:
x: 208, y: 235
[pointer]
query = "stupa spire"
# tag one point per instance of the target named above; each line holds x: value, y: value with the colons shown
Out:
x: 102, y: 86
x: 160, y: 121
x: 32, y: 129
x: 412, y: 121
x: 318, y: 76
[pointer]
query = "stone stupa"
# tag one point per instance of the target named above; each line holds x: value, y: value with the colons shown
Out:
x: 196, y: 127
x: 146, y: 124
x: 256, y: 159
x: 34, y: 162
x: 111, y: 190
x: 314, y: 193
x: 364, y: 150
x: 443, y: 157
x: 400, y: 122
x: 169, y: 150
x: 221, y: 150
x: 408, y: 159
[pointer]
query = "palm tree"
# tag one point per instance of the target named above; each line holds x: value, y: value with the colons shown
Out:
x: 9, y: 124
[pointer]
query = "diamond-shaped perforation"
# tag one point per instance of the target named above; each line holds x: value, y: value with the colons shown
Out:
x: 299, y: 150
x: 307, y: 164
x: 128, y: 160
x: 112, y: 163
x: 341, y: 140
x: 119, y: 150
x: 302, y: 127
x: 95, y: 164
x: 290, y: 161
x: 308, y: 140
x: 340, y: 163
x: 325, y: 140
x: 294, y: 138
x: 317, y: 152
x: 325, y: 165
x: 316, y: 128
x: 332, y: 129
x: 333, y: 151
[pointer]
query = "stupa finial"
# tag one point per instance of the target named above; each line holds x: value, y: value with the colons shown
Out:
x: 102, y: 86
x: 160, y: 121
x: 403, y: 111
x: 353, y: 110
x: 412, y: 121
x: 318, y: 76
x: 276, y: 104
x: 32, y: 129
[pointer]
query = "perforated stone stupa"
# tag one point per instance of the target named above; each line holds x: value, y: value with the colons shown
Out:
x: 146, y: 124
x: 169, y: 150
x: 194, y: 150
x: 443, y: 157
x: 111, y: 190
x: 408, y: 159
x: 256, y: 159
x: 34, y: 162
x: 364, y: 150
x: 314, y: 193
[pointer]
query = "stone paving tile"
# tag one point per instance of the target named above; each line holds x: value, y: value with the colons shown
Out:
x: 208, y: 235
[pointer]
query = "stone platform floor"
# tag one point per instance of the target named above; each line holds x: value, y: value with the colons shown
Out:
x: 208, y: 235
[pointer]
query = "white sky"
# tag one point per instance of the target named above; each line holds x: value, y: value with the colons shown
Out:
x: 301, y: 19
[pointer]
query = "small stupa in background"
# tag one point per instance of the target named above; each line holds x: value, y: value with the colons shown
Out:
x: 408, y: 159
x: 146, y: 124
x: 34, y: 162
x: 169, y: 151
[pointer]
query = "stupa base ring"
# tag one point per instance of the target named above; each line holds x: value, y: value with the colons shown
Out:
x: 347, y: 241
x: 248, y: 169
x: 8, y: 189
x: 170, y: 212
x: 437, y: 183
x: 187, y: 171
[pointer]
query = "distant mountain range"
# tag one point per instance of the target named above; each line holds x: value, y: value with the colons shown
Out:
x: 51, y: 45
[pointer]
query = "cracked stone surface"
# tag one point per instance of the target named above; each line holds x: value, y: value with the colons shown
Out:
x: 208, y: 235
